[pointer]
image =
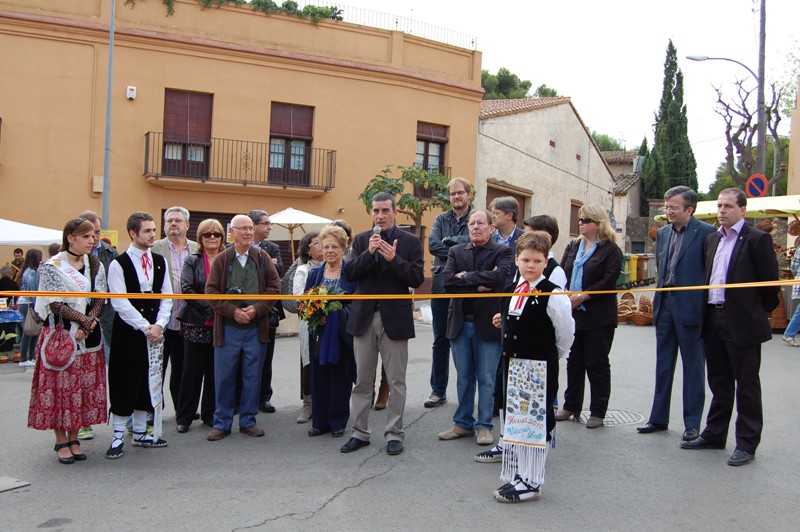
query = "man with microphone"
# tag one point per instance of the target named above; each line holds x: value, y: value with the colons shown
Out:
x: 386, y: 260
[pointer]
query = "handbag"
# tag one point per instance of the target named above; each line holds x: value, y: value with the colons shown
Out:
x: 32, y: 325
x: 58, y: 348
x: 287, y: 289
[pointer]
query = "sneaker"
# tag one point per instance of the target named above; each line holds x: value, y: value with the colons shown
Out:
x: 485, y: 437
x: 495, y: 454
x: 86, y: 433
x: 434, y: 401
x: 518, y: 491
x: 455, y: 432
x: 790, y: 341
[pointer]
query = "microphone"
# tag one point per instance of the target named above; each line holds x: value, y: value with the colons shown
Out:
x: 376, y: 231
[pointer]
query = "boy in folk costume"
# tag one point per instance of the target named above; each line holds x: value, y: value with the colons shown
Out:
x: 538, y: 330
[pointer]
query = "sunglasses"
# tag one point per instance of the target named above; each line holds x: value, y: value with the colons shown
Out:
x: 587, y: 221
x: 212, y: 235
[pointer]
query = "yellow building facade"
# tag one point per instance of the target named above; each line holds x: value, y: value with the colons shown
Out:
x: 233, y: 110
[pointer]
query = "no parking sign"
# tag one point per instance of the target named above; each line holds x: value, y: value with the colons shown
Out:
x: 756, y: 186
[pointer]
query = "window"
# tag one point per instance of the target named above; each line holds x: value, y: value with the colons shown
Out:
x: 573, y: 218
x: 187, y: 133
x: 290, y: 136
x: 431, y: 140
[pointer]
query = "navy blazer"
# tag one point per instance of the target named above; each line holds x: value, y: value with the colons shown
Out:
x: 378, y: 277
x: 491, y: 270
x: 689, y: 270
x: 752, y: 259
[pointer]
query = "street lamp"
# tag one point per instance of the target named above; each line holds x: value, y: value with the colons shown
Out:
x: 761, y: 148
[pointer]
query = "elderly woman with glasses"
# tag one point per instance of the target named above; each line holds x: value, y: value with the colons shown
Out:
x: 591, y: 262
x: 197, y: 326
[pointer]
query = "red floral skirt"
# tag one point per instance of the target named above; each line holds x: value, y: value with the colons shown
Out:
x: 71, y: 399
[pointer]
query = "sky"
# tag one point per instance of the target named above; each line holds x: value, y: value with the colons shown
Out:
x: 608, y: 56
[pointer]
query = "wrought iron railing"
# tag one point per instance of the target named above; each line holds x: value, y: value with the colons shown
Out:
x: 238, y: 161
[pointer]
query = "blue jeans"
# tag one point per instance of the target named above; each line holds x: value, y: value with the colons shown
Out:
x: 440, y: 352
x: 27, y: 345
x: 476, y: 361
x: 241, y: 347
x: 794, y: 325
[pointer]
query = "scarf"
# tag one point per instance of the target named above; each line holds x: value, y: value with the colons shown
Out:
x: 576, y: 282
x: 155, y: 358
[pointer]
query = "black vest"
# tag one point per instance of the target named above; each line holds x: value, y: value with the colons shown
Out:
x: 531, y: 335
x: 147, y: 307
x: 552, y: 264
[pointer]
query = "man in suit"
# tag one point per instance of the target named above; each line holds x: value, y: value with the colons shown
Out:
x: 449, y: 229
x: 505, y: 211
x: 734, y: 326
x: 174, y: 248
x: 263, y: 226
x: 386, y: 260
x: 679, y: 255
x: 482, y: 265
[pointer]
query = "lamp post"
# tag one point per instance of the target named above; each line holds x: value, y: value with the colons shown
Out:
x: 761, y: 148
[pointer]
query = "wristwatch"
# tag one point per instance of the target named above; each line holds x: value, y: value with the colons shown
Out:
x: 463, y: 275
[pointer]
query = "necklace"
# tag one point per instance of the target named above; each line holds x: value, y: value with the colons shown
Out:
x: 73, y: 254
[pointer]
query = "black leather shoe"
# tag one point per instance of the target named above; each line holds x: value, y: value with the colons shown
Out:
x: 651, y: 427
x: 196, y: 416
x: 337, y: 433
x: 740, y: 458
x: 266, y: 407
x: 313, y: 432
x: 183, y: 428
x: 394, y: 447
x: 353, y: 444
x: 701, y: 443
x: 691, y: 434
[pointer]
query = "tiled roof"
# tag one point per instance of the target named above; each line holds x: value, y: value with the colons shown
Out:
x: 624, y: 182
x: 492, y: 108
x: 619, y: 157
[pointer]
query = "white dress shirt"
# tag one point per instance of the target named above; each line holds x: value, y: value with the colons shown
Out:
x: 125, y: 309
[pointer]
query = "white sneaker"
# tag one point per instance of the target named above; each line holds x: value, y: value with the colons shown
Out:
x: 786, y: 339
x: 27, y: 364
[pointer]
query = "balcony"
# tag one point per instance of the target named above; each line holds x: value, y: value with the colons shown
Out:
x: 237, y: 166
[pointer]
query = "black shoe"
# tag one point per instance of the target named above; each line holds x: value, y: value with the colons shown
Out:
x: 337, y: 433
x: 651, y: 427
x: 196, y: 416
x: 740, y: 458
x: 394, y: 447
x: 68, y: 460
x: 691, y: 434
x: 313, y: 432
x: 183, y: 428
x: 79, y: 457
x: 266, y: 407
x: 353, y: 444
x: 701, y: 443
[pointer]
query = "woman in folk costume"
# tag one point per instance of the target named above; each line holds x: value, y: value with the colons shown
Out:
x: 73, y: 395
x: 538, y: 330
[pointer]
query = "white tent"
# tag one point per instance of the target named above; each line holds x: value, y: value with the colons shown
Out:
x: 19, y: 234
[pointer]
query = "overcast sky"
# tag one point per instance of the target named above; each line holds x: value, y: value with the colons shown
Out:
x: 608, y: 56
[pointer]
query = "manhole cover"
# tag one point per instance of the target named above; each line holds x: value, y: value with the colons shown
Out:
x: 616, y: 418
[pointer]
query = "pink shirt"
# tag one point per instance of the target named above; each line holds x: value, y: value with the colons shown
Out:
x: 722, y: 259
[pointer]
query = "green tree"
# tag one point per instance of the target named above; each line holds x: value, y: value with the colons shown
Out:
x: 671, y: 162
x: 606, y: 142
x: 503, y: 85
x: 643, y: 148
x: 723, y: 178
x: 416, y: 190
x: 543, y: 91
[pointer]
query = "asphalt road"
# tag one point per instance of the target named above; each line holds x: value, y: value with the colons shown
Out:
x: 606, y: 479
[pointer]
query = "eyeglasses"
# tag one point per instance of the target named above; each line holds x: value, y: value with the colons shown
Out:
x: 244, y: 229
x: 586, y: 221
x: 316, y: 243
x: 459, y: 193
x: 211, y: 234
x: 264, y: 223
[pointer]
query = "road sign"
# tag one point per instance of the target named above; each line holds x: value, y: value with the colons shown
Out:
x: 756, y: 186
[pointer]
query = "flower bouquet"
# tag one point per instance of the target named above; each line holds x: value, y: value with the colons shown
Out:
x: 314, y: 311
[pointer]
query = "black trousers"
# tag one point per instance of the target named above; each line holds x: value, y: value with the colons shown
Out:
x: 173, y: 350
x: 128, y: 369
x: 198, y: 374
x: 589, y: 358
x: 732, y: 376
x: 266, y: 371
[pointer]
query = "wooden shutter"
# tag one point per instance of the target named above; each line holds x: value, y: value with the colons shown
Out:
x: 291, y: 121
x: 431, y: 132
x: 187, y: 116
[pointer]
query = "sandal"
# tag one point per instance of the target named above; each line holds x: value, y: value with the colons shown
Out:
x: 58, y: 447
x: 518, y: 491
x: 142, y: 439
x: 77, y: 456
x: 114, y: 452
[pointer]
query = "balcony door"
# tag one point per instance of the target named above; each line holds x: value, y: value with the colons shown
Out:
x: 187, y: 133
x: 290, y: 136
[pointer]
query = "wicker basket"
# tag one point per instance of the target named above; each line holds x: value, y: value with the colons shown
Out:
x: 626, y: 307
x: 794, y: 227
x: 646, y: 305
x: 641, y: 319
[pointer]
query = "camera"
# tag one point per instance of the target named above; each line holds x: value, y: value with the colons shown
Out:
x: 234, y: 290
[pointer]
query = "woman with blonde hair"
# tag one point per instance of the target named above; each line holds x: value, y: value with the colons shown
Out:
x: 591, y: 262
x: 197, y: 326
x: 71, y: 394
x: 310, y: 257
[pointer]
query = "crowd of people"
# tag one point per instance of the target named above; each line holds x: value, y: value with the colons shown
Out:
x: 505, y: 349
